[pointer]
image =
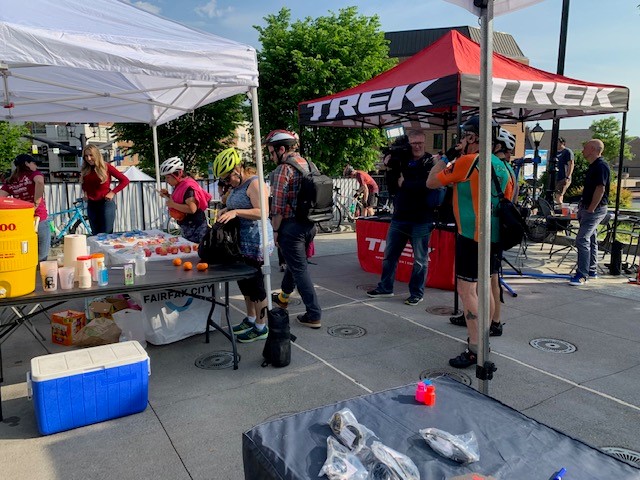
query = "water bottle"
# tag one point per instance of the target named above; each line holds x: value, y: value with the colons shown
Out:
x: 103, y: 276
x: 140, y: 264
x: 352, y: 208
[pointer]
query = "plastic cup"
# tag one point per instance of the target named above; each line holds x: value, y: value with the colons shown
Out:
x: 49, y: 275
x: 67, y: 277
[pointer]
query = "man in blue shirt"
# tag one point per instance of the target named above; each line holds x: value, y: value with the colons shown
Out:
x: 565, y: 163
x: 591, y: 211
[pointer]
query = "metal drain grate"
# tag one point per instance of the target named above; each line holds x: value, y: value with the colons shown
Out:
x: 435, y: 373
x: 624, y: 454
x: 346, y: 331
x: 553, y: 345
x: 215, y: 360
x: 443, y: 311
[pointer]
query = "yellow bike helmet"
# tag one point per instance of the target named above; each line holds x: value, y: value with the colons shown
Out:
x: 225, y: 162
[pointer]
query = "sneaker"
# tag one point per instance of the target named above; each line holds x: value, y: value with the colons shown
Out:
x: 252, y: 335
x: 413, y: 300
x: 593, y: 275
x: 464, y: 360
x: 577, y: 280
x: 375, y: 293
x: 275, y: 299
x: 242, y: 327
x: 303, y: 319
x: 459, y: 321
x: 495, y: 330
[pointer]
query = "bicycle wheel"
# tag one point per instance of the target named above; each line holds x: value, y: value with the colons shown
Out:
x: 332, y: 225
x: 537, y: 230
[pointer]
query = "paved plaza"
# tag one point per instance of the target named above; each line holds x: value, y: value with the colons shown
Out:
x: 583, y: 380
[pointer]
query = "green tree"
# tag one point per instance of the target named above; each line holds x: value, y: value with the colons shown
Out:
x: 610, y: 132
x: 12, y: 143
x: 312, y: 58
x: 196, y: 137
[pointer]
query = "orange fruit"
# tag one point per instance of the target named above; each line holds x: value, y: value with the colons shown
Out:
x: 177, y: 262
x: 187, y: 266
x: 201, y: 267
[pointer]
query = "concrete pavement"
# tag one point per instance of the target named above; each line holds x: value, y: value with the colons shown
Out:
x: 193, y: 424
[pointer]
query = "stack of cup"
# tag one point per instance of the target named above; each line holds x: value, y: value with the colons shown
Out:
x: 49, y: 275
x: 67, y: 277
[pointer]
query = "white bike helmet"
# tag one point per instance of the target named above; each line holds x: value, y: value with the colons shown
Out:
x: 171, y: 166
x: 279, y: 138
x: 506, y: 138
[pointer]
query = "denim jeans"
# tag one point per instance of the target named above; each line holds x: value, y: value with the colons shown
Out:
x: 102, y: 214
x: 586, y: 241
x: 293, y: 238
x: 44, y: 240
x: 397, y: 236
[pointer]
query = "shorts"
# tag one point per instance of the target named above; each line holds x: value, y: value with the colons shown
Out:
x: 562, y: 186
x: 253, y: 287
x: 372, y: 201
x: 467, y: 259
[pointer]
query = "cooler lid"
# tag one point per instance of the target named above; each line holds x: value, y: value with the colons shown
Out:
x: 10, y: 203
x: 58, y: 365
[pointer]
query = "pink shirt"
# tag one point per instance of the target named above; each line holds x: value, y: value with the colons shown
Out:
x: 24, y: 189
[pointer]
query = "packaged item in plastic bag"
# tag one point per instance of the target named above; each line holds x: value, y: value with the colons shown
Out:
x: 341, y: 464
x: 352, y: 434
x: 384, y: 463
x: 461, y: 448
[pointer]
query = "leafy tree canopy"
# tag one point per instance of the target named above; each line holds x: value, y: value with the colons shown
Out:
x: 196, y: 137
x: 609, y: 131
x: 12, y: 143
x: 312, y: 58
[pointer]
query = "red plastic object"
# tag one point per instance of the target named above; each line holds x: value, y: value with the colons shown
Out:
x: 430, y: 396
x: 421, y: 389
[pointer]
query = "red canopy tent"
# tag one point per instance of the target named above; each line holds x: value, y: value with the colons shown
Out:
x: 426, y: 90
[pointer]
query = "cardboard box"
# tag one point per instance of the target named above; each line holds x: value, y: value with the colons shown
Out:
x: 65, y: 325
x: 81, y: 387
x: 101, y: 309
x: 118, y: 303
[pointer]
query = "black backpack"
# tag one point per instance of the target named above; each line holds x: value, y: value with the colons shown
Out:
x: 512, y: 226
x: 315, y: 198
x: 277, y: 347
x: 221, y: 244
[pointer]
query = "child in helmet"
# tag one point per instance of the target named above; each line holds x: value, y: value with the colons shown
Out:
x: 188, y: 201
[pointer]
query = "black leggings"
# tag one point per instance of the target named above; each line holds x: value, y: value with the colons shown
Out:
x: 253, y: 287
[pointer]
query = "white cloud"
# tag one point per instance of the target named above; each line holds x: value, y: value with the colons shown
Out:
x: 149, y: 7
x: 211, y: 10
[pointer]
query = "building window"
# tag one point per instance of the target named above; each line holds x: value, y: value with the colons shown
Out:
x: 438, y: 139
x: 68, y: 161
x: 243, y: 137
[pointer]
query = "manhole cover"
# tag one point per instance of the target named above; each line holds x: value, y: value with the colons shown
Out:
x: 215, y: 360
x: 443, y: 311
x: 294, y: 302
x: 624, y: 454
x: 435, y: 373
x: 346, y: 331
x: 553, y: 345
x: 367, y: 286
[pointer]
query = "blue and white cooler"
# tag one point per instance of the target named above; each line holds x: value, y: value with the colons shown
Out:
x: 77, y: 388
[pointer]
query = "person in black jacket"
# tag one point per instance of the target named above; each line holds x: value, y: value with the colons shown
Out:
x: 413, y: 219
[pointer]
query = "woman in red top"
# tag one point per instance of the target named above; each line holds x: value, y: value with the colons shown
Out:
x: 27, y: 183
x: 96, y: 184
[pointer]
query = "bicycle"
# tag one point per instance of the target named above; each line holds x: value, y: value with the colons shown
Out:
x: 77, y: 219
x: 342, y: 212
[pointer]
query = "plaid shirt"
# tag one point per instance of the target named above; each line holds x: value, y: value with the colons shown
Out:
x: 285, y: 187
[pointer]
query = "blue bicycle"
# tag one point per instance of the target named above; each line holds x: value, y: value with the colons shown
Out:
x: 77, y: 217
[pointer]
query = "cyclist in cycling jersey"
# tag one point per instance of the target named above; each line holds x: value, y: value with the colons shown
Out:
x: 367, y: 187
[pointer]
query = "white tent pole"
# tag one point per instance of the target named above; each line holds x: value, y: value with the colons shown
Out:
x: 156, y: 155
x: 266, y: 268
x: 484, y: 203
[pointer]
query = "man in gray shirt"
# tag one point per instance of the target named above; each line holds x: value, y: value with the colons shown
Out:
x: 565, y: 163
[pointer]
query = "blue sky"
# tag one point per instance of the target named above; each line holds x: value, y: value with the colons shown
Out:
x: 602, y: 43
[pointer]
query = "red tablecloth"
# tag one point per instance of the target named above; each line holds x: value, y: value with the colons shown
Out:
x: 371, y: 235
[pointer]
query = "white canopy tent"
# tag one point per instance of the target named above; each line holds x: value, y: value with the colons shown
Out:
x: 108, y: 61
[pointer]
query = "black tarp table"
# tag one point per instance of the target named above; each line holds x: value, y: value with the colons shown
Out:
x: 512, y: 446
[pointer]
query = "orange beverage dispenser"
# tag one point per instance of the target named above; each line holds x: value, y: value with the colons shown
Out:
x: 18, y: 248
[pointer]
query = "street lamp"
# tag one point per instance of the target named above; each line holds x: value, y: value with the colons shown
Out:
x: 536, y: 135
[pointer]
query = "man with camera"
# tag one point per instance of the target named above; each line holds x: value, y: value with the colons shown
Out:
x: 413, y: 218
x: 460, y: 168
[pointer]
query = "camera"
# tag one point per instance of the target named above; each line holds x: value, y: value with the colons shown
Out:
x: 400, y: 154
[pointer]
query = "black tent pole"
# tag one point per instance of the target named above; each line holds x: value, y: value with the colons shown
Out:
x: 619, y: 185
x: 555, y: 128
